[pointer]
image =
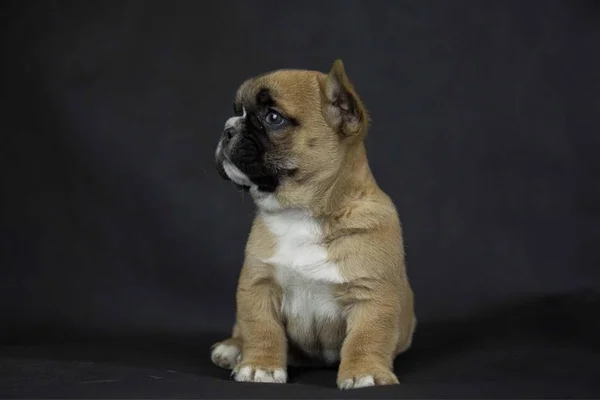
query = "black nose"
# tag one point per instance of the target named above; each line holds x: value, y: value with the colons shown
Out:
x: 229, y: 133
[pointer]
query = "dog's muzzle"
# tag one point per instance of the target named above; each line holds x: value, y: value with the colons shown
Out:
x: 240, y: 154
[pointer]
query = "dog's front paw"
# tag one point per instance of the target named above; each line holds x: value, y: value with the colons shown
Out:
x: 226, y: 354
x: 247, y: 372
x: 364, y: 378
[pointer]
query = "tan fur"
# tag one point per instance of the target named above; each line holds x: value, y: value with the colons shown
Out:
x: 361, y: 233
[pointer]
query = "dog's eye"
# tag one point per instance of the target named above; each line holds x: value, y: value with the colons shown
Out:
x: 274, y: 118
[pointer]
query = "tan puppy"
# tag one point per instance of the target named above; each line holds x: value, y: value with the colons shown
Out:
x: 324, y: 278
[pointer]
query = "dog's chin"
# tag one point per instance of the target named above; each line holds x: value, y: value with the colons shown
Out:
x: 221, y: 171
x: 262, y: 182
x: 225, y: 177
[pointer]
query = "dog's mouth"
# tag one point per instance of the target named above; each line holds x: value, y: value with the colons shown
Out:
x: 224, y: 176
x: 246, y: 177
x: 221, y: 170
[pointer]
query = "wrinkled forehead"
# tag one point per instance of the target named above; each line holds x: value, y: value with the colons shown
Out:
x: 289, y: 91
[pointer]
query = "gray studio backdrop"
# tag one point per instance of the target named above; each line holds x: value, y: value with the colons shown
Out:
x: 115, y: 221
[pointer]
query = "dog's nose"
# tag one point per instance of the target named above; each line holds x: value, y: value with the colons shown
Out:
x: 229, y: 133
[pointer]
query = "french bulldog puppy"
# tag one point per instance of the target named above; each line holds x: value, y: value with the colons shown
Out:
x: 324, y: 279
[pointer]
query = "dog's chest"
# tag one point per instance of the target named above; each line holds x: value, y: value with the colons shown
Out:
x: 303, y: 269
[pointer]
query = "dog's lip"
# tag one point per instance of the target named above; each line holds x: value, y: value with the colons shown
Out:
x: 221, y: 170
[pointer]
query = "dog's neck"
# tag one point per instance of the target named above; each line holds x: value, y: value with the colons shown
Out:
x: 330, y: 194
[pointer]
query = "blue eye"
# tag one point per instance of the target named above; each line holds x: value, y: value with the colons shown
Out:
x: 274, y: 118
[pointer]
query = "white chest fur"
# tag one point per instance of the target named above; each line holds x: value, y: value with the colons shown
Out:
x: 303, y: 269
x: 298, y: 247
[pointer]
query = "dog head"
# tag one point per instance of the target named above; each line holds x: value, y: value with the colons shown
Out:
x: 291, y: 132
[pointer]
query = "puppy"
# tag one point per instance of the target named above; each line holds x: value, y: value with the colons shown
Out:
x: 324, y: 279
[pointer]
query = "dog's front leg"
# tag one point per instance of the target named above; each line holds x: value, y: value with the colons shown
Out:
x: 368, y: 351
x: 264, y: 349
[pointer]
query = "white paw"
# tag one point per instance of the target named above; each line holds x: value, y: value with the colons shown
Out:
x: 361, y: 382
x: 226, y: 356
x: 248, y: 373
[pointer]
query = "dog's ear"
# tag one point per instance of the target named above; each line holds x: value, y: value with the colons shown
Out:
x: 342, y: 107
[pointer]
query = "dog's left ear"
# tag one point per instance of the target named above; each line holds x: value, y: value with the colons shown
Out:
x: 342, y: 107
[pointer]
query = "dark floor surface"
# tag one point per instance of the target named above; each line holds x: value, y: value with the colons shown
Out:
x: 544, y: 348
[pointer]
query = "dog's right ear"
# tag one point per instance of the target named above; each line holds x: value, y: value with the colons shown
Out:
x: 342, y: 108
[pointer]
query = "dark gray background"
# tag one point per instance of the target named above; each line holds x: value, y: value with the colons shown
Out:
x: 115, y: 223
